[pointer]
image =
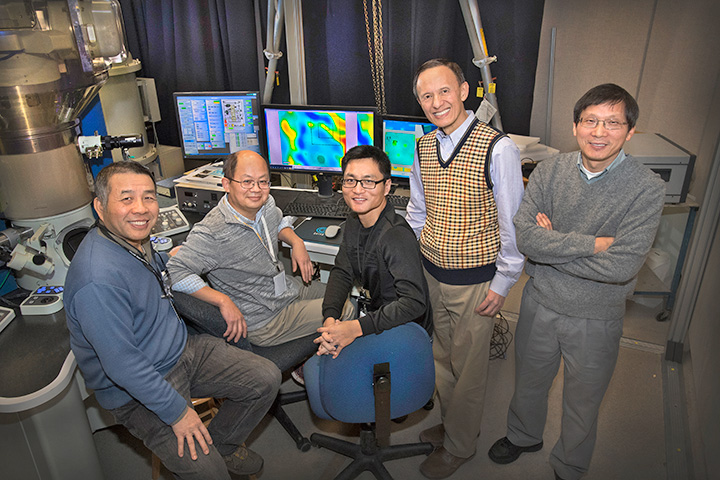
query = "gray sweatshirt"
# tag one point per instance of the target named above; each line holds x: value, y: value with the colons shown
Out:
x: 230, y: 254
x: 625, y: 203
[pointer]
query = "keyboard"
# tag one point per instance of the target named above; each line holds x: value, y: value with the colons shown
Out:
x: 398, y: 201
x: 328, y: 210
x: 171, y: 221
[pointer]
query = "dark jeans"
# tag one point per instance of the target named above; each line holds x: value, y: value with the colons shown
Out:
x: 208, y: 367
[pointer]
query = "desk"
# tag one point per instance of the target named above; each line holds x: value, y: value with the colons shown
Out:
x: 649, y: 284
x: 44, y: 431
x: 320, y: 250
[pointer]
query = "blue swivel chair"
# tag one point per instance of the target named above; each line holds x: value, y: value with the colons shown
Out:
x: 375, y: 379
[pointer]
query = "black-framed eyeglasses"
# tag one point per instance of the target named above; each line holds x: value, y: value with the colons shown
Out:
x: 593, y: 122
x: 366, y: 183
x: 247, y: 184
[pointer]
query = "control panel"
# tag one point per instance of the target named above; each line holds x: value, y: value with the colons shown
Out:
x: 161, y: 244
x: 197, y: 198
x: 44, y: 300
x: 170, y: 222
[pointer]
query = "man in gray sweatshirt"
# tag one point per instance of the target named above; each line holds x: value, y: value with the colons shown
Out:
x: 586, y: 224
x: 236, y: 247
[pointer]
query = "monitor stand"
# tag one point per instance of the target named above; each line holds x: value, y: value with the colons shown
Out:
x: 324, y: 184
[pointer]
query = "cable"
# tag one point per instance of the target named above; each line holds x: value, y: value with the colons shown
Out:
x: 501, y: 338
x: 14, y: 299
x: 5, y: 279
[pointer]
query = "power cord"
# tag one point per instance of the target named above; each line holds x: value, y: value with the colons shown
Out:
x: 501, y: 338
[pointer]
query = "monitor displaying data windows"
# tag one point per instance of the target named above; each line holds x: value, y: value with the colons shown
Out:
x: 215, y: 124
x: 313, y: 139
x: 400, y: 134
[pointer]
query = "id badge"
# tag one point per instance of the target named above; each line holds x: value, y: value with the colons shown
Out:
x: 280, y: 285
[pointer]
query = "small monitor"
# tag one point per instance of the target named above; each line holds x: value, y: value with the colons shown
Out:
x: 313, y: 139
x: 215, y: 124
x: 400, y: 135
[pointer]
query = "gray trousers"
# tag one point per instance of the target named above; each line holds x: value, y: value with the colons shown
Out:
x: 589, y: 349
x: 208, y: 367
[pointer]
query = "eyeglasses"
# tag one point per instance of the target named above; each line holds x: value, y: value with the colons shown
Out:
x: 247, y: 184
x: 608, y: 124
x: 366, y: 183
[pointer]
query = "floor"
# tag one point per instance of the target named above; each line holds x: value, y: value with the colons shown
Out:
x: 631, y: 431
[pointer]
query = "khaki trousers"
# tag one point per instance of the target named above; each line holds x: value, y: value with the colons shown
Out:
x: 301, y: 318
x: 461, y: 348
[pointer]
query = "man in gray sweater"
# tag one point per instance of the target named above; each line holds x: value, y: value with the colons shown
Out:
x: 236, y: 247
x: 586, y: 224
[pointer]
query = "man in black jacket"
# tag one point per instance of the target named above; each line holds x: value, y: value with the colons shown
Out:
x: 379, y: 249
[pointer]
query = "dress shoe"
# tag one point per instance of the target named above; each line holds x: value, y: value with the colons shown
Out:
x: 504, y: 451
x: 434, y: 435
x: 441, y: 464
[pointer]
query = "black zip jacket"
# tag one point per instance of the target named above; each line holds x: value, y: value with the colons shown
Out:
x: 389, y: 266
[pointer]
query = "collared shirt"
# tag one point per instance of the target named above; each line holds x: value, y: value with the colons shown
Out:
x: 591, y: 177
x: 192, y: 283
x: 508, y: 189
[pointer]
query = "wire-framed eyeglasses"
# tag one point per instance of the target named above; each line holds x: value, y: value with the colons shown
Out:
x: 593, y: 122
x: 247, y: 184
x: 366, y: 183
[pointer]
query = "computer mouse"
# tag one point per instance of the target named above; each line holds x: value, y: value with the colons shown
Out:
x: 332, y: 231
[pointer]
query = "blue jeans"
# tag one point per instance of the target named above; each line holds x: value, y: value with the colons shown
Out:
x: 208, y: 367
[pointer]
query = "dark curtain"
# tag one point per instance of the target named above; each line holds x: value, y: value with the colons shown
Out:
x: 192, y: 45
x: 338, y: 64
x: 198, y: 45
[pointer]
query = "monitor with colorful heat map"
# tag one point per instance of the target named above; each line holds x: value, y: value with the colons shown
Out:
x: 400, y: 135
x: 313, y: 139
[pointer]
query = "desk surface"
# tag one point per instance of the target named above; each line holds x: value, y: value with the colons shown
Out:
x: 35, y: 360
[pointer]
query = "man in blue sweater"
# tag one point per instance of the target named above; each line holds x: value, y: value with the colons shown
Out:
x: 586, y: 223
x: 134, y: 351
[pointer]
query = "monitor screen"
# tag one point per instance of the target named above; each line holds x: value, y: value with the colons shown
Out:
x: 215, y: 124
x: 400, y: 134
x: 313, y: 139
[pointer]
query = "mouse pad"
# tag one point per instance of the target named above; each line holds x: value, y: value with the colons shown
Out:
x: 313, y: 230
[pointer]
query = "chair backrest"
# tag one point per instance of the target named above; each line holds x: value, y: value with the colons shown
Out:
x: 342, y: 388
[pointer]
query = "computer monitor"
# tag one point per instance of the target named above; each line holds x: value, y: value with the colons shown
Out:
x: 400, y: 135
x: 313, y: 139
x: 213, y: 125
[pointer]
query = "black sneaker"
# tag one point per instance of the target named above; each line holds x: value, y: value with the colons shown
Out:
x: 243, y: 461
x: 504, y: 451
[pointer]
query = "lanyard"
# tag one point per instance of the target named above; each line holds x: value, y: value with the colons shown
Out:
x: 268, y: 247
x: 162, y: 277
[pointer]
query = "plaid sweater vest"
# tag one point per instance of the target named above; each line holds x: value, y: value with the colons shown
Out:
x: 461, y: 229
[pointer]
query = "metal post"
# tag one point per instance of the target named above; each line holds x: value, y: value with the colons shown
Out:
x: 272, y: 51
x: 551, y: 86
x: 471, y: 13
x: 696, y: 264
x: 296, y: 51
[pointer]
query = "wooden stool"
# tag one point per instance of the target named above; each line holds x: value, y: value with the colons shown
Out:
x: 206, y: 409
